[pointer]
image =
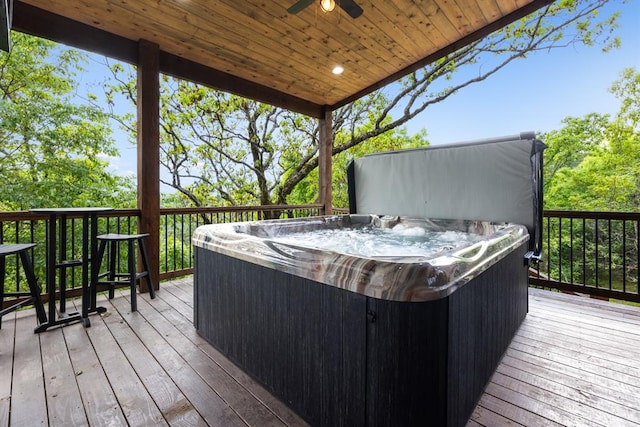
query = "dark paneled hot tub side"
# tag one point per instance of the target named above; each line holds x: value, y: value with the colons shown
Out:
x: 341, y: 358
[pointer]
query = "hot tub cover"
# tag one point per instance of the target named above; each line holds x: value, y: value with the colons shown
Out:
x: 497, y: 179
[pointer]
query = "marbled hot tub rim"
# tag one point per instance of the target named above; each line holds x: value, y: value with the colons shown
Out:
x: 387, y: 278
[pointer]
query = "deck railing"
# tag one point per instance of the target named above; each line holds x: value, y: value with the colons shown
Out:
x: 595, y: 253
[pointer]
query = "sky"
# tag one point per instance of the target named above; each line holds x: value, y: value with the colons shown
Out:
x: 536, y: 93
x: 532, y: 94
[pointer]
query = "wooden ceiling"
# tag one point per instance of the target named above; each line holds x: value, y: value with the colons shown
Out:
x: 257, y: 49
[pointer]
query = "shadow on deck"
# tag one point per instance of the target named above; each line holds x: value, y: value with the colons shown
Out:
x: 574, y: 361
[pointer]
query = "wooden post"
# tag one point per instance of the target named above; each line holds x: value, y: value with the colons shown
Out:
x: 148, y: 107
x: 325, y: 151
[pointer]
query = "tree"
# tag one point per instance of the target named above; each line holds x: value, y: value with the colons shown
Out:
x: 51, y: 147
x: 221, y: 149
x: 593, y: 164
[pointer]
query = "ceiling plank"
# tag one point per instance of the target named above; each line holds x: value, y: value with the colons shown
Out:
x: 183, y: 68
x: 37, y: 22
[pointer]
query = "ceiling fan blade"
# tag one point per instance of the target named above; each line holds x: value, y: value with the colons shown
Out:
x: 350, y: 6
x: 299, y: 6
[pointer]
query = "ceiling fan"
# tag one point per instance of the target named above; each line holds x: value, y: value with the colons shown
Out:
x: 349, y: 6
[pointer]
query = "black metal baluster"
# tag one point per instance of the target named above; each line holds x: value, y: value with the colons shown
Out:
x: 597, y: 235
x: 571, y: 250
x: 624, y: 256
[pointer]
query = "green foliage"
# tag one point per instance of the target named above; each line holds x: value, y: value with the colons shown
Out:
x: 53, y: 150
x: 593, y: 164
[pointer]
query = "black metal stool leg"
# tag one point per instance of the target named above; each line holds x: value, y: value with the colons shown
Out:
x: 111, y: 277
x: 99, y: 257
x: 33, y: 287
x: 21, y: 250
x: 132, y: 274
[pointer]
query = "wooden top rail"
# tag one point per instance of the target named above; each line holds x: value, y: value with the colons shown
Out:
x: 28, y: 216
x: 214, y: 209
x: 627, y: 216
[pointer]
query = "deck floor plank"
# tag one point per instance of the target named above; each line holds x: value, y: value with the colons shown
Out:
x: 28, y: 400
x: 590, y: 314
x: 100, y: 402
x: 584, y: 383
x: 182, y: 320
x: 135, y: 402
x: 513, y: 412
x: 534, y: 400
x: 588, y: 399
x: 7, y: 332
x: 175, y: 407
x: 64, y: 402
x: 582, y: 350
x: 207, y: 402
x: 484, y: 417
x: 252, y: 411
x: 600, y: 337
x: 574, y: 362
x: 178, y: 304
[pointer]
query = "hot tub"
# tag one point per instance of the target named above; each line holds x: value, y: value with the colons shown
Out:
x: 349, y: 335
x: 390, y: 258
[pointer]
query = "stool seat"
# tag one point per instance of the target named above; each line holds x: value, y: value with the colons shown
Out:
x: 121, y: 237
x: 14, y: 248
x: 131, y: 276
x: 20, y: 249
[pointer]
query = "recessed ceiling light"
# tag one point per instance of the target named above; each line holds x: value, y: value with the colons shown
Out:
x: 337, y: 70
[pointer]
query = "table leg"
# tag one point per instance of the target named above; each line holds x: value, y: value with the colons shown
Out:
x: 92, y: 305
x: 94, y: 261
x: 51, y: 276
x: 52, y: 263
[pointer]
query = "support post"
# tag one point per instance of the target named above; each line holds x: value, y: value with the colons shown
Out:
x: 148, y: 109
x: 325, y: 151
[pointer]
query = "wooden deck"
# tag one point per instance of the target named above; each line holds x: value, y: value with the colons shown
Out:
x: 575, y: 362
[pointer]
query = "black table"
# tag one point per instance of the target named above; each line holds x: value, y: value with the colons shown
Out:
x: 55, y: 261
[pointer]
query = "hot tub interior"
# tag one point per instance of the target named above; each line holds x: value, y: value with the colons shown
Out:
x: 389, y: 257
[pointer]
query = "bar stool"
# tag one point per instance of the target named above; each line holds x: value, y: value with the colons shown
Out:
x: 131, y: 277
x: 33, y: 295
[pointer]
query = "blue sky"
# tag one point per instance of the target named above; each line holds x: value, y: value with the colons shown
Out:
x: 533, y: 94
x: 536, y: 93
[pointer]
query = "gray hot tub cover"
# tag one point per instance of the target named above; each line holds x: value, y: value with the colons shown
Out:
x: 497, y: 179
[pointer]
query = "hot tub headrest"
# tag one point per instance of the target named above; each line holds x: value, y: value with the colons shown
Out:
x: 497, y: 180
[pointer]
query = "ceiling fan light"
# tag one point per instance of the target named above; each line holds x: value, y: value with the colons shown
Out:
x: 327, y: 5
